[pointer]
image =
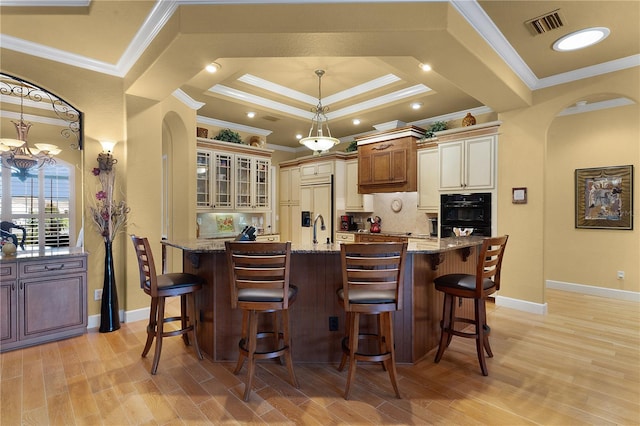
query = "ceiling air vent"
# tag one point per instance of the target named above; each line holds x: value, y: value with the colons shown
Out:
x: 547, y: 22
x: 270, y: 118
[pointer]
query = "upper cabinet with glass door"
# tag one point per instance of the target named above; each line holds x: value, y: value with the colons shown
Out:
x: 232, y: 177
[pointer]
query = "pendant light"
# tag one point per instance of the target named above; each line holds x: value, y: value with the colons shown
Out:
x: 16, y: 153
x: 317, y: 141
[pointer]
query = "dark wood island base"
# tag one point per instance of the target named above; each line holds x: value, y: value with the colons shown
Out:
x: 316, y: 271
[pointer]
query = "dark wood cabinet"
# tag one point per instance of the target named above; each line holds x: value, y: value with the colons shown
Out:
x: 388, y: 162
x: 42, y: 299
x: 8, y: 302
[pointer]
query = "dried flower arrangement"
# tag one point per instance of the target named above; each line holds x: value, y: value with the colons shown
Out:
x: 108, y: 215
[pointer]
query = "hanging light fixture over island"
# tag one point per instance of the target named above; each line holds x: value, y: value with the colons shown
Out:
x: 317, y: 141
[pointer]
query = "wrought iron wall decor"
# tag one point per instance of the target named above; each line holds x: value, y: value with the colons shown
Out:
x: 13, y: 86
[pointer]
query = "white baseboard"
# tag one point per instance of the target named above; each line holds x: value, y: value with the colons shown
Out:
x: 137, y: 315
x: 610, y: 293
x: 128, y: 316
x: 521, y: 305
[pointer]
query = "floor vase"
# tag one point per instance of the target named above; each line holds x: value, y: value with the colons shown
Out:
x: 109, y: 315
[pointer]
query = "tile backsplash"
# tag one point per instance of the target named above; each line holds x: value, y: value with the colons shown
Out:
x: 407, y: 219
x: 222, y: 225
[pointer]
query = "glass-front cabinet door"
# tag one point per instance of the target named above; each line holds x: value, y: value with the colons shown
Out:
x: 243, y: 183
x: 252, y: 183
x: 262, y: 184
x: 229, y: 182
x: 203, y: 179
x: 222, y: 179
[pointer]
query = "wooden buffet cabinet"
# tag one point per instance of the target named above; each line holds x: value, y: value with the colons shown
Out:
x: 42, y: 298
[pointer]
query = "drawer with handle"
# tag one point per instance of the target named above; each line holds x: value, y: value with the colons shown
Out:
x: 53, y: 266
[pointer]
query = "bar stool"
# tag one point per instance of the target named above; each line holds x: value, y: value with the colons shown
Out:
x: 478, y: 287
x: 160, y: 287
x: 259, y: 279
x: 372, y: 280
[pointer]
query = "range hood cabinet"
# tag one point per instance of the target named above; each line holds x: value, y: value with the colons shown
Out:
x: 387, y: 162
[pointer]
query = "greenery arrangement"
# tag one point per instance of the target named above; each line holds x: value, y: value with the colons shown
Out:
x: 353, y: 146
x: 435, y: 127
x: 228, y: 135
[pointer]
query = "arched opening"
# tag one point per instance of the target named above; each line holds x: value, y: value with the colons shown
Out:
x: 583, y: 136
x: 41, y: 191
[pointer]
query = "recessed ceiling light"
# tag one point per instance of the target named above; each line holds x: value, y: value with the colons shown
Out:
x: 251, y: 114
x: 356, y: 121
x: 582, y: 38
x: 416, y: 105
x: 212, y: 67
x: 424, y: 67
x: 298, y: 136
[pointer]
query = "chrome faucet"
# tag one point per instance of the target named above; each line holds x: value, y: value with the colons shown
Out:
x: 322, y: 227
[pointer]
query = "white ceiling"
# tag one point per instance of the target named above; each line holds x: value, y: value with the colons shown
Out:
x: 484, y: 55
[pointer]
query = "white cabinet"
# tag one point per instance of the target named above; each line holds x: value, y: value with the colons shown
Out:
x: 317, y: 200
x: 428, y: 175
x: 316, y: 172
x: 227, y: 181
x: 289, y: 205
x: 355, y: 202
x: 252, y: 183
x: 271, y: 238
x: 289, y: 185
x: 345, y: 237
x: 467, y: 164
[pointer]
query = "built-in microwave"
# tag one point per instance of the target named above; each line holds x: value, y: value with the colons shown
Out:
x: 465, y: 211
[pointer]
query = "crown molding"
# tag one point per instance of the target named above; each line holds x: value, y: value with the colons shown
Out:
x: 187, y: 100
x: 57, y: 55
x: 311, y: 100
x: 588, y: 72
x: 164, y: 10
x: 232, y: 126
x: 595, y: 106
x: 48, y: 3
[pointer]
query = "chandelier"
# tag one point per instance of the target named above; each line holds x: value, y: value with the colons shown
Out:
x: 17, y: 154
x: 317, y: 141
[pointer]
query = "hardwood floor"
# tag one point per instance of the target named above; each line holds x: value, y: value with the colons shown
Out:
x: 579, y: 364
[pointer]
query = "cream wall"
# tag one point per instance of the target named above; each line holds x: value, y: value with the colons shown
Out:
x: 589, y: 256
x: 153, y: 129
x: 100, y: 98
x: 521, y: 163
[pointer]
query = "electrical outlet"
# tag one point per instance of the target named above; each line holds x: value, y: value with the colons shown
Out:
x: 333, y: 323
x: 621, y: 275
x: 97, y: 295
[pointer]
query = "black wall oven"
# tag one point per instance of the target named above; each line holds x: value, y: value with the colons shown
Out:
x: 465, y: 211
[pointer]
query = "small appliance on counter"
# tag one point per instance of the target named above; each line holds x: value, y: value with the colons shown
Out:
x: 433, y: 229
x: 347, y: 223
x: 247, y: 234
x: 375, y: 224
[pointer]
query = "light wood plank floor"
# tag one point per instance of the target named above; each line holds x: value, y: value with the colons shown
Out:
x: 580, y: 364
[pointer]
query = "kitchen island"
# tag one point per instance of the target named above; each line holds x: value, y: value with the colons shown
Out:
x: 316, y: 270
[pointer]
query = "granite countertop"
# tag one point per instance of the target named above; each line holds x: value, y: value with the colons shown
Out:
x: 429, y: 246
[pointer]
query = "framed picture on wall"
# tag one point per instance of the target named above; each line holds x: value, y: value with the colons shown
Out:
x: 604, y: 197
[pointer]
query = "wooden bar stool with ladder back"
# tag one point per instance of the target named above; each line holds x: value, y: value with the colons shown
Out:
x: 161, y: 287
x: 372, y: 281
x: 478, y: 287
x: 259, y: 280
